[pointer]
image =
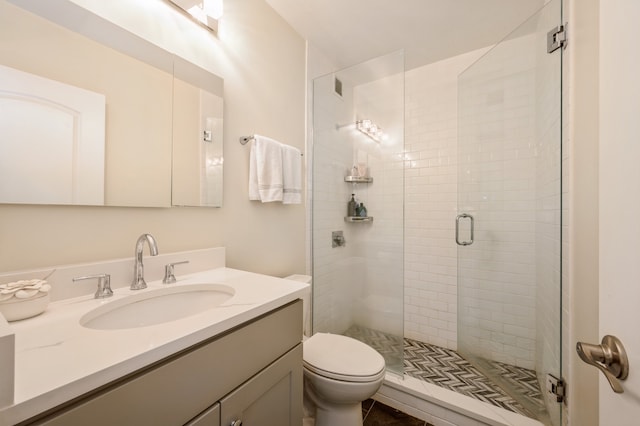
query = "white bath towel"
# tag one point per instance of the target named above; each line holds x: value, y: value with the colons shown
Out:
x: 254, y: 194
x: 265, y: 170
x: 292, y: 175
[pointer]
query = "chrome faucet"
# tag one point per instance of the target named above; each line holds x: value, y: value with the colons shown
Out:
x: 138, y: 269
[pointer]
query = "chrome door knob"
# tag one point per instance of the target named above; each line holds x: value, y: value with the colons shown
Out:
x: 609, y: 357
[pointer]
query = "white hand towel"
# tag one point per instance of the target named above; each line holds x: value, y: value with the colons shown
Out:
x: 266, y: 168
x: 254, y: 194
x: 292, y: 175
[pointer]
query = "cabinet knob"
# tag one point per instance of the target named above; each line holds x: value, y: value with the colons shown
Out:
x: 236, y: 423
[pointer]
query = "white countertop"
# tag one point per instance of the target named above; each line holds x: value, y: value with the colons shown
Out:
x: 56, y: 359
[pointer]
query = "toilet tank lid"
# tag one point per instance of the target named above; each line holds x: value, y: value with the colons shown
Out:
x: 300, y: 278
x: 342, y: 355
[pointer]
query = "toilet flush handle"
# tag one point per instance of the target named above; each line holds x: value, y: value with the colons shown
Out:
x: 236, y: 423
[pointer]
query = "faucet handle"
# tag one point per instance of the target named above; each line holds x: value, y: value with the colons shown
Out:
x: 104, y: 285
x: 169, y: 277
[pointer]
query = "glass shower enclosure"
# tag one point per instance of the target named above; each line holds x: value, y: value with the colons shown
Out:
x: 509, y: 214
x: 358, y: 140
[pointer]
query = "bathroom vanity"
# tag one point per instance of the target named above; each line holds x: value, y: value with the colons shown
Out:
x: 240, y: 360
x: 252, y: 374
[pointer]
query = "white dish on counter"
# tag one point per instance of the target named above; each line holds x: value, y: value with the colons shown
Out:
x: 15, y: 309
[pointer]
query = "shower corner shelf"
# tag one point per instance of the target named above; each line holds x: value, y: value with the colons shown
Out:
x: 358, y: 179
x: 358, y: 219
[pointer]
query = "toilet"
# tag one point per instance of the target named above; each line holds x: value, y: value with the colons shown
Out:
x: 339, y: 373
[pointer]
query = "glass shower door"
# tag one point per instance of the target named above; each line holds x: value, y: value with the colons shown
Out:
x: 358, y: 140
x: 509, y: 214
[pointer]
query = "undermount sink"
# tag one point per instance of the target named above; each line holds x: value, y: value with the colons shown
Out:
x: 157, y: 306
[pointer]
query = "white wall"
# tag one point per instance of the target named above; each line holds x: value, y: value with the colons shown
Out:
x: 262, y: 61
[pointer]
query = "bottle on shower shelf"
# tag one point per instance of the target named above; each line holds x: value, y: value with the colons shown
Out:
x: 351, y: 206
x: 362, y: 211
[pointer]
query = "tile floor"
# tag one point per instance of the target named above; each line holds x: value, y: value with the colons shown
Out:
x: 375, y: 413
x: 446, y: 368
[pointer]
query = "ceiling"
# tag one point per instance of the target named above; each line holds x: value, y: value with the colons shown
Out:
x: 352, y: 31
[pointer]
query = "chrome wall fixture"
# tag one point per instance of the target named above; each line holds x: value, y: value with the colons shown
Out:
x: 246, y: 139
x: 470, y: 240
x: 371, y: 129
x: 205, y: 12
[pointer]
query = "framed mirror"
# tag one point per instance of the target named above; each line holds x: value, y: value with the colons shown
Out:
x: 96, y: 79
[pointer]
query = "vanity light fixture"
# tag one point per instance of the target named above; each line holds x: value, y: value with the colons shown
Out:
x: 371, y: 129
x: 205, y: 12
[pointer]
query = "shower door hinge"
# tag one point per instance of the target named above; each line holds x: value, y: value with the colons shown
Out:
x: 556, y: 38
x: 556, y: 387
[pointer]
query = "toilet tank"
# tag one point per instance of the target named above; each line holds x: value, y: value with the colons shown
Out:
x: 306, y: 302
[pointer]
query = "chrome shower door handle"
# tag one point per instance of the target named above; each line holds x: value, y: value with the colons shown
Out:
x: 609, y: 357
x: 458, y: 218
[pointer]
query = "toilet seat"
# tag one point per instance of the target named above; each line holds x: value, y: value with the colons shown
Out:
x: 342, y: 358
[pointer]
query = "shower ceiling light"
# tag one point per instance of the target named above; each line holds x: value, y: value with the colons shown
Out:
x: 205, y: 12
x: 371, y: 129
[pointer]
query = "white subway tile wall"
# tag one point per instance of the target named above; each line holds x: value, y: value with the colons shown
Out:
x: 513, y: 267
x: 515, y: 208
x: 380, y: 244
x: 333, y: 268
x: 496, y: 184
x: 361, y: 283
x: 431, y: 165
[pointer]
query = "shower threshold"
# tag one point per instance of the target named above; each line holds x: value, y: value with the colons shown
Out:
x: 440, y: 386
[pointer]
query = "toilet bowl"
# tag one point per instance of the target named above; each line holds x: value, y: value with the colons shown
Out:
x: 339, y: 373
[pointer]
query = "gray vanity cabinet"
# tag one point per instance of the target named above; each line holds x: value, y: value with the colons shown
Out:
x: 266, y: 399
x: 251, y: 374
x: 210, y: 417
x: 270, y: 398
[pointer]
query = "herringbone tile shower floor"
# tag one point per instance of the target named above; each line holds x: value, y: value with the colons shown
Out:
x: 446, y: 368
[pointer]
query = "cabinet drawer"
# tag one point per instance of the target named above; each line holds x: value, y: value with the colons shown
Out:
x: 174, y: 391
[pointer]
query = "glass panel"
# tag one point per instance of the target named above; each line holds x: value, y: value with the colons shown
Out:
x: 358, y: 139
x: 509, y: 181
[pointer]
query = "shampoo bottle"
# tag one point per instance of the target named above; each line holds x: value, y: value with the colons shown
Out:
x: 351, y: 206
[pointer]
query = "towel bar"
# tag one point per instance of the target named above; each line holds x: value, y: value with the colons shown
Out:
x: 245, y: 139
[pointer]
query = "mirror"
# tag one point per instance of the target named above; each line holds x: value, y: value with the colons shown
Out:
x: 197, y: 138
x: 105, y: 111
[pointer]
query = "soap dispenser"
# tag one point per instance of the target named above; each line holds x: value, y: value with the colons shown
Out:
x: 363, y: 210
x: 351, y: 206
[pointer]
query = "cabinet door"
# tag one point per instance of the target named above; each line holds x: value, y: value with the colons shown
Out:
x: 210, y: 417
x: 272, y: 397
